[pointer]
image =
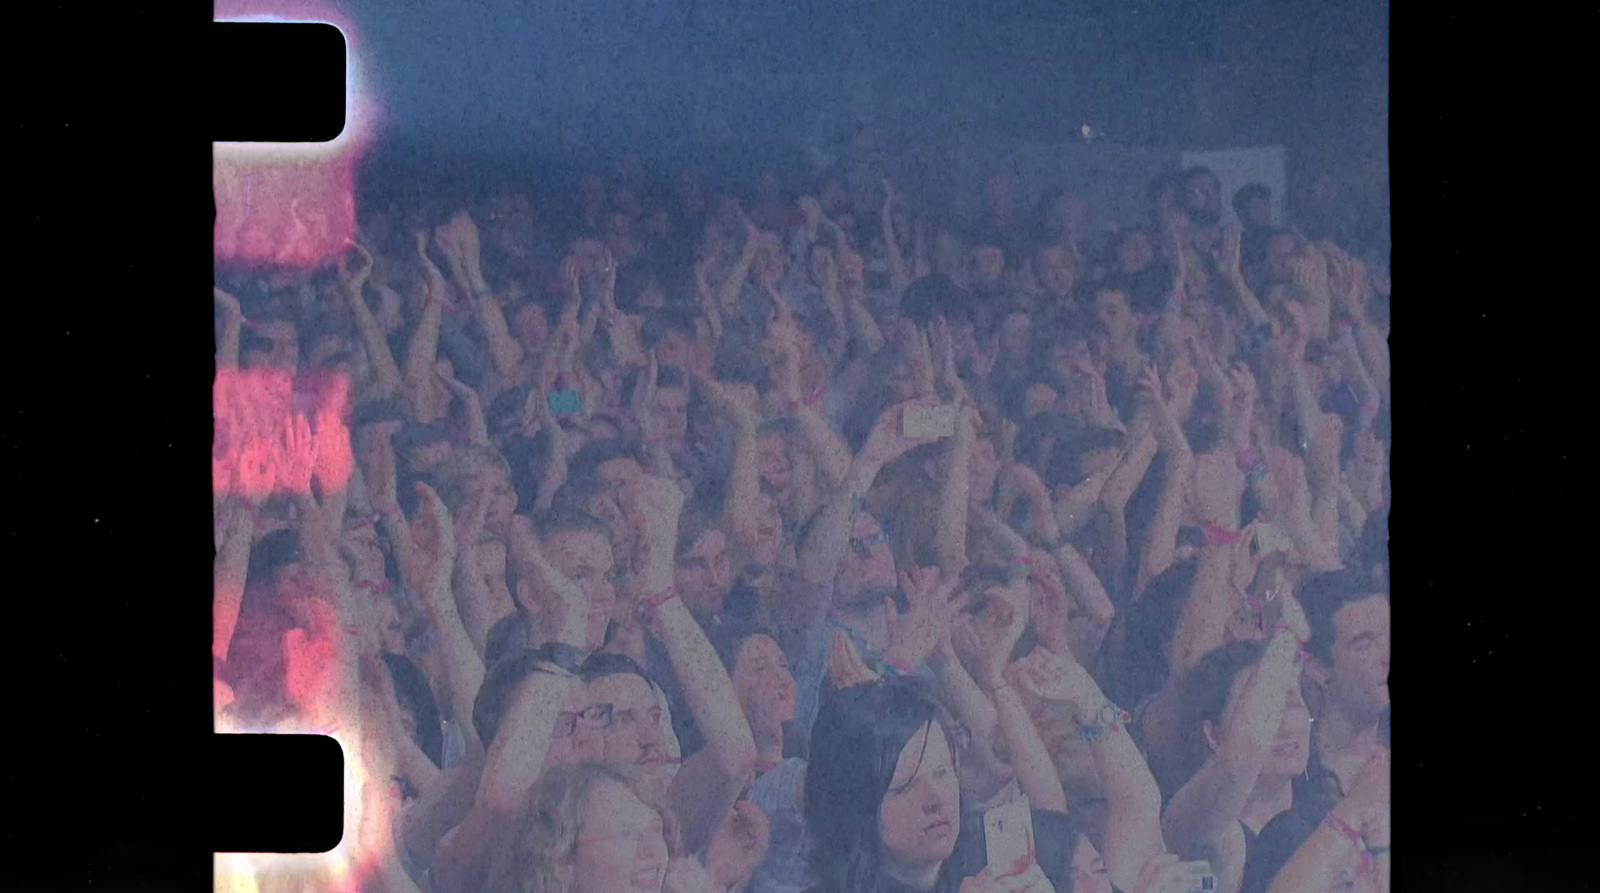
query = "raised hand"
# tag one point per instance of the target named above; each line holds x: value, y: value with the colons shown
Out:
x: 1050, y: 675
x: 228, y: 304
x: 1228, y: 252
x: 926, y: 626
x: 297, y: 463
x: 738, y: 847
x: 887, y: 440
x: 434, y: 541
x: 997, y: 631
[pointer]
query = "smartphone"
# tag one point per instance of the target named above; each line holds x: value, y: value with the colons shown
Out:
x: 566, y: 402
x: 1270, y: 538
x: 929, y: 422
x: 1008, y: 833
x: 1201, y: 878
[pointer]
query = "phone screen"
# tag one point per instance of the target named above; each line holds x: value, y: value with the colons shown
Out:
x: 1008, y: 833
x: 929, y: 422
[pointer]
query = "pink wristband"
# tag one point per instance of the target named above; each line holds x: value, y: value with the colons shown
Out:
x: 651, y: 604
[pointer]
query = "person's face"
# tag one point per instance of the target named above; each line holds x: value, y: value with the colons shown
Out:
x: 867, y: 570
x: 533, y: 329
x: 762, y: 680
x: 703, y: 574
x: 902, y: 383
x: 1056, y: 271
x: 773, y: 456
x: 920, y: 816
x: 1360, y: 678
x: 621, y: 846
x: 585, y: 558
x: 989, y: 263
x: 1116, y: 319
x: 770, y: 264
x: 1014, y: 334
x: 669, y: 413
x: 634, y: 738
x: 586, y: 740
x: 502, y: 498
x: 1089, y: 873
x: 391, y: 634
x: 1203, y: 199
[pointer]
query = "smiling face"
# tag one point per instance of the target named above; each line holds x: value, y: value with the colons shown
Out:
x: 919, y: 817
x: 621, y: 846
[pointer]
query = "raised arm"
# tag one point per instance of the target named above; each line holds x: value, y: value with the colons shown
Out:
x: 997, y: 634
x: 830, y: 451
x: 1133, y: 826
x: 1208, y: 806
x: 899, y: 272
x: 232, y: 321
x: 391, y: 382
x: 460, y: 240
x: 228, y: 571
x: 744, y: 482
x: 710, y: 781
x: 1162, y: 537
x: 1228, y: 258
x: 477, y: 425
x: 1354, y: 836
x: 423, y: 351
x: 950, y: 541
x: 728, y: 295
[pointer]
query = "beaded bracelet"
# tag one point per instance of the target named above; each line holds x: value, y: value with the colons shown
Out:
x: 1105, y: 724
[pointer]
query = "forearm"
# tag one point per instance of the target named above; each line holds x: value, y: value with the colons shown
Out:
x: 864, y: 329
x: 1374, y: 355
x: 228, y: 346
x: 463, y: 663
x: 1133, y: 826
x: 728, y: 294
x: 228, y: 572
x: 1036, y: 773
x: 504, y: 351
x: 899, y: 272
x: 423, y: 351
x: 390, y: 379
x: 1161, y: 542
x: 1317, y: 865
x: 1202, y: 625
x: 951, y: 534
x: 830, y: 451
x: 707, y: 689
x: 1208, y: 805
x: 823, y: 549
x: 744, y: 487
x: 1084, y: 585
x: 516, y: 757
x: 473, y: 599
x: 439, y: 807
x: 1247, y: 300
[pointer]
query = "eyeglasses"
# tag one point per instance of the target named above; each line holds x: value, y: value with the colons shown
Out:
x: 863, y: 547
x: 595, y: 716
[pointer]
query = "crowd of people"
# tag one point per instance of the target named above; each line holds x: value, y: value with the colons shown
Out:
x: 703, y: 544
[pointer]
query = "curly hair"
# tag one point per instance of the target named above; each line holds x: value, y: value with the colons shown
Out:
x: 545, y: 854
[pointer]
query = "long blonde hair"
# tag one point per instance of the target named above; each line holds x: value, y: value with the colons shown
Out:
x: 545, y: 853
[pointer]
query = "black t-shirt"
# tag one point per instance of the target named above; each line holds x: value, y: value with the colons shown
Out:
x: 1055, y: 836
x: 1266, y: 853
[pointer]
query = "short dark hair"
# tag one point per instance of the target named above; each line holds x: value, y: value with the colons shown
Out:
x: 934, y: 295
x: 1321, y: 596
x: 586, y: 462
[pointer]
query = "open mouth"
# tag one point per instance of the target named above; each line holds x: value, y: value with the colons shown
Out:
x: 941, y: 828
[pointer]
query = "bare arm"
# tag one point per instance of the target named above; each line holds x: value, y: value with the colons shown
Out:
x: 951, y: 536
x: 899, y: 272
x: 232, y: 321
x: 228, y: 575
x: 730, y: 752
x: 1210, y: 803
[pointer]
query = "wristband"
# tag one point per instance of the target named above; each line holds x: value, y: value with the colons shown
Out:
x: 1108, y: 720
x: 1221, y: 536
x: 888, y: 667
x: 1368, y: 857
x: 651, y: 604
x: 377, y: 587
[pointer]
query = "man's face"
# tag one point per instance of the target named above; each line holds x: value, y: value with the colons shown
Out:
x: 1115, y: 317
x: 533, y: 329
x: 989, y: 263
x: 585, y: 558
x: 867, y: 572
x: 669, y: 414
x: 1202, y: 198
x: 1056, y: 271
x: 586, y: 741
x: 704, y: 575
x: 1360, y: 681
x: 634, y: 740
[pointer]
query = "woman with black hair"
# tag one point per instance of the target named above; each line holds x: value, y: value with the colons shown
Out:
x: 1248, y: 789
